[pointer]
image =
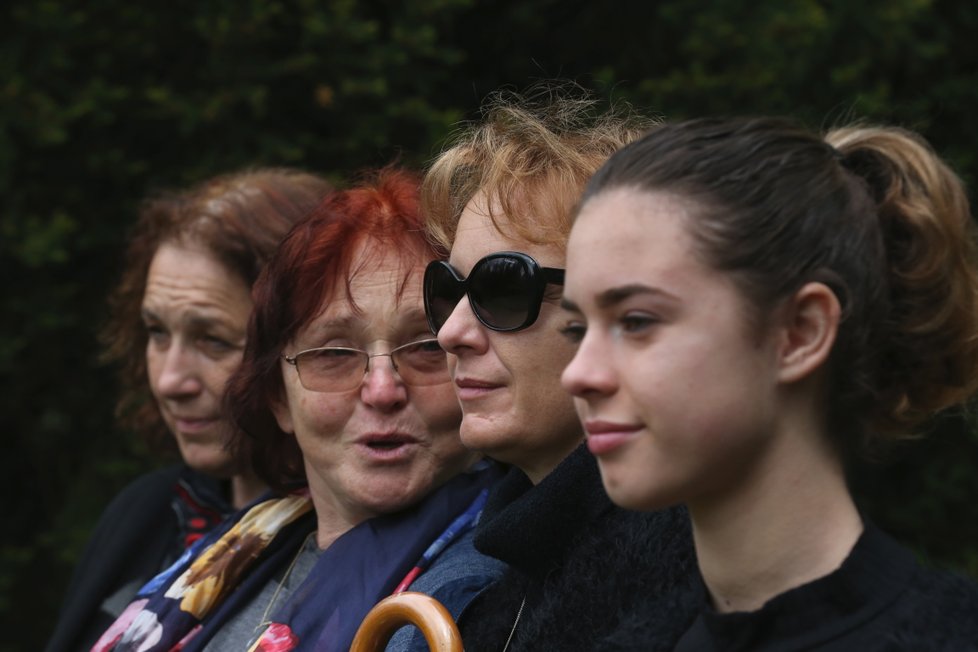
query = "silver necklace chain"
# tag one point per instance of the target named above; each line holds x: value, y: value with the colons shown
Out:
x: 515, y: 623
x: 264, y: 617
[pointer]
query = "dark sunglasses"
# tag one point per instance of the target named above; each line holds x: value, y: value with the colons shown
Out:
x: 505, y: 290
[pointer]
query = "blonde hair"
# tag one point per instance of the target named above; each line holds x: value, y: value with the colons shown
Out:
x: 531, y: 156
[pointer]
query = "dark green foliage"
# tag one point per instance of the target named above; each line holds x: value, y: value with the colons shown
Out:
x: 102, y: 103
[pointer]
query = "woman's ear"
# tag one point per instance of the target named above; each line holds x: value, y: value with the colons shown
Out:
x: 810, y: 321
x: 283, y: 416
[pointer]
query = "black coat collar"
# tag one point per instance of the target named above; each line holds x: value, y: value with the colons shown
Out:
x: 531, y: 527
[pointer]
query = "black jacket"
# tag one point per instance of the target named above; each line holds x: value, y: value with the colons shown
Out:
x: 580, y: 562
x: 135, y: 537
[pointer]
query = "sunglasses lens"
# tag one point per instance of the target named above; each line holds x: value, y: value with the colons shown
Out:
x: 441, y: 294
x: 501, y: 292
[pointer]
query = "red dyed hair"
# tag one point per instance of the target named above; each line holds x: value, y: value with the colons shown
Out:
x: 314, y: 261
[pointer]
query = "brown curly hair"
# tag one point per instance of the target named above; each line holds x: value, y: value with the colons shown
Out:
x: 239, y: 217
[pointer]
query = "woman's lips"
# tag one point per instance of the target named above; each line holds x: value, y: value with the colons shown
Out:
x: 603, y: 437
x: 193, y: 426
x: 468, y: 389
x: 388, y: 447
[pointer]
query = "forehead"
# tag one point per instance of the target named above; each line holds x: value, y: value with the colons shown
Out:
x: 382, y: 271
x: 172, y: 257
x: 189, y: 274
x: 625, y: 233
x: 483, y: 229
x: 382, y: 287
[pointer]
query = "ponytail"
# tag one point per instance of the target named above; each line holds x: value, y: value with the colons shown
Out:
x: 929, y: 359
x: 872, y: 213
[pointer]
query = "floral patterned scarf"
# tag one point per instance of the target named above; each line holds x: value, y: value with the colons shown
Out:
x: 168, y: 610
x: 183, y: 606
x: 369, y: 562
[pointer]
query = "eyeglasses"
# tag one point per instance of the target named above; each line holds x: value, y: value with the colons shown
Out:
x: 341, y: 369
x: 505, y: 290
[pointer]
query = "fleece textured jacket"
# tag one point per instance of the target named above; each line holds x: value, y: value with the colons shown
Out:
x: 577, y: 564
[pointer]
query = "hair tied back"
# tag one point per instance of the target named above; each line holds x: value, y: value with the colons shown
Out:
x: 868, y: 166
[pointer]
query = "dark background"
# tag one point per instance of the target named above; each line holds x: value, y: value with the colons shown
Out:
x: 102, y: 103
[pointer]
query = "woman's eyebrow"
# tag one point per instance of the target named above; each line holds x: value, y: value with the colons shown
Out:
x: 616, y: 295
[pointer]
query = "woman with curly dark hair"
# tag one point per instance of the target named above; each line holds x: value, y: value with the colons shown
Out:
x: 177, y: 331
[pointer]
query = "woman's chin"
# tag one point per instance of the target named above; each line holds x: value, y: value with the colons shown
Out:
x: 626, y: 492
x: 484, y: 436
x: 387, y: 497
x: 217, y: 464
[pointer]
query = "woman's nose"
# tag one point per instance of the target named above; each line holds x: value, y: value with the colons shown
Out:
x: 179, y: 373
x: 462, y: 330
x: 383, y: 388
x: 590, y: 372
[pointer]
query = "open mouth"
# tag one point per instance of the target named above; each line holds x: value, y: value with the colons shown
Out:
x: 385, y: 445
x: 388, y: 447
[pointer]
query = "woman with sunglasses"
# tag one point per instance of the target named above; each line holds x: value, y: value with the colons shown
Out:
x: 500, y: 200
x: 351, y: 416
x: 813, y: 297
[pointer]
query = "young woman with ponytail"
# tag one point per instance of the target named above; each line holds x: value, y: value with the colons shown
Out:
x: 754, y: 305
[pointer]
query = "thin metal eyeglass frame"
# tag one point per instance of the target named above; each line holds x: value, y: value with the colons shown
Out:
x: 294, y: 361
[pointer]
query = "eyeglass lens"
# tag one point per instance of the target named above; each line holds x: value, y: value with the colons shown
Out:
x: 442, y: 294
x: 335, y: 369
x: 500, y: 289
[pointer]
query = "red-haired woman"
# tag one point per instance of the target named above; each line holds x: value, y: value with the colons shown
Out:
x: 353, y: 421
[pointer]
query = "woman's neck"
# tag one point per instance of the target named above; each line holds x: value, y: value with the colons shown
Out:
x: 539, y: 464
x: 334, y: 517
x: 790, y: 522
x: 245, y: 487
